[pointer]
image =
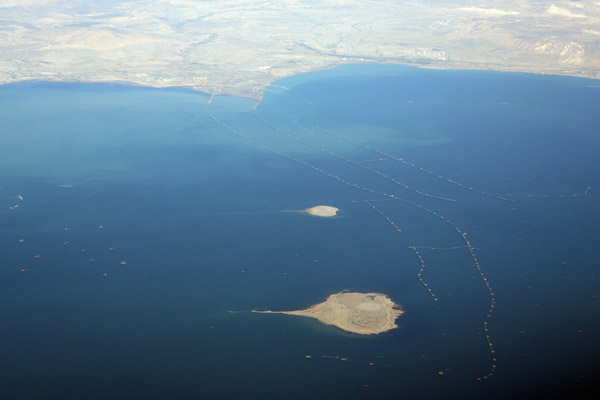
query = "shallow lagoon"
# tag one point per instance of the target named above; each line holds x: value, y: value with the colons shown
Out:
x: 196, y: 213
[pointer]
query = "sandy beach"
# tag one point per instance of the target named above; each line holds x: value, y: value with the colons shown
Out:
x: 322, y: 211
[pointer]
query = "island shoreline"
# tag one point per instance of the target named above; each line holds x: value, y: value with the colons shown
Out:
x: 359, y: 313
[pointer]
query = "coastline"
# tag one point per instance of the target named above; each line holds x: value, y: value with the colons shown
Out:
x: 257, y: 91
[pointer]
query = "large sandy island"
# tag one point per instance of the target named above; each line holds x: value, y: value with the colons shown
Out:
x: 322, y: 211
x: 362, y: 313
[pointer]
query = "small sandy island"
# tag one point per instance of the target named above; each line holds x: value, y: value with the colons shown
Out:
x: 322, y: 211
x: 362, y: 313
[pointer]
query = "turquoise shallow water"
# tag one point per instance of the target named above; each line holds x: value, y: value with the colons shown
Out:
x: 201, y: 218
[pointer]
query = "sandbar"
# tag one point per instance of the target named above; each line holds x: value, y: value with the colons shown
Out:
x: 322, y: 211
x: 361, y: 313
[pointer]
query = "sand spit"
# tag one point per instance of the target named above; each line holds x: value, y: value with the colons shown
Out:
x: 322, y: 211
x: 362, y: 313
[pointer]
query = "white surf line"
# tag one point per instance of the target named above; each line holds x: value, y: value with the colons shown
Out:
x: 439, y: 248
x: 375, y: 160
x: 388, y: 219
x: 404, y: 162
x: 420, y: 273
x: 550, y: 196
x: 357, y: 164
x: 471, y: 249
x: 501, y: 196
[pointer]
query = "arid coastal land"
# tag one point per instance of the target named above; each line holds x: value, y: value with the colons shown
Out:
x: 240, y: 47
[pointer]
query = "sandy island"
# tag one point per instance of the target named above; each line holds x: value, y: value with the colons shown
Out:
x: 362, y: 313
x: 322, y: 211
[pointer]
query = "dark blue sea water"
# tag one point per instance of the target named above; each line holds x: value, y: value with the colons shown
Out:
x: 201, y: 219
